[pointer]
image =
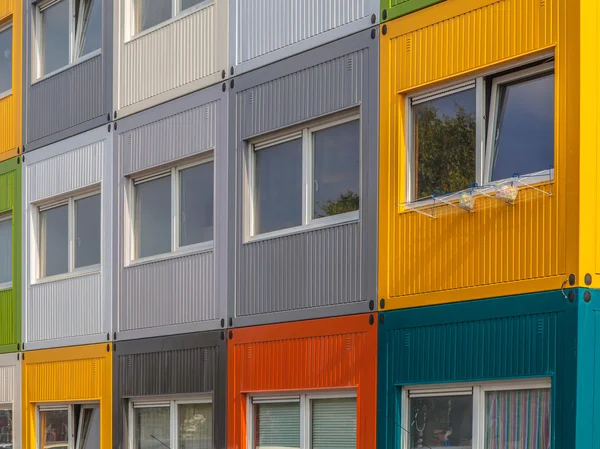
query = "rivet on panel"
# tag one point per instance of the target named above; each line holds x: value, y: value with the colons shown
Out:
x: 373, y: 34
x: 115, y: 126
x: 381, y: 318
x: 114, y: 335
x: 23, y: 158
x: 230, y: 321
x: 231, y: 70
x: 18, y: 347
x: 371, y: 319
x: 108, y: 336
x: 230, y: 335
x: 231, y: 84
x: 23, y: 357
x: 115, y: 115
x: 571, y: 279
x: 382, y: 303
x: 222, y: 335
x: 371, y: 305
x: 109, y: 127
x: 18, y: 160
x: 223, y: 74
x: 587, y: 296
x: 115, y: 347
x: 23, y: 346
x: 107, y: 348
x: 384, y: 14
x: 588, y: 279
x: 384, y: 30
x: 224, y: 87
x: 571, y: 296
x: 18, y: 150
x: 17, y: 356
x: 222, y: 322
x: 108, y: 117
x: 373, y: 18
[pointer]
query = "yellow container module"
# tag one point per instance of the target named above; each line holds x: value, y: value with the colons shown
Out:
x: 67, y: 392
x: 10, y: 77
x: 496, y: 232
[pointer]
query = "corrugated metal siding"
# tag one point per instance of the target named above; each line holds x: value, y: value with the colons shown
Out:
x: 66, y: 99
x: 267, y: 25
x: 66, y: 172
x: 7, y: 190
x: 175, y: 137
x: 7, y: 7
x: 7, y: 317
x: 169, y: 292
x: 311, y: 269
x: 8, y: 124
x: 64, y: 309
x: 172, y: 56
x: 303, y: 95
x: 7, y: 384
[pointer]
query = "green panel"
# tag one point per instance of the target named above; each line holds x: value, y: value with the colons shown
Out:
x: 392, y: 9
x: 10, y: 300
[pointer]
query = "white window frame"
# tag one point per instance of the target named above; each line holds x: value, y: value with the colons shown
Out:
x: 7, y: 406
x: 476, y: 389
x: 8, y: 285
x: 37, y: 36
x: 304, y: 399
x: 4, y: 27
x: 484, y: 126
x: 74, y: 434
x: 176, y: 14
x: 176, y: 249
x: 38, y: 251
x: 304, y: 133
x: 164, y: 402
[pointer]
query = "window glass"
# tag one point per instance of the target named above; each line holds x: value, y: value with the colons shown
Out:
x: 6, y: 59
x: 54, y: 429
x: 336, y: 169
x: 278, y: 187
x: 55, y: 241
x: 517, y: 419
x: 196, y: 204
x: 89, y: 429
x: 88, y: 26
x: 185, y: 4
x: 524, y: 140
x: 54, y: 40
x: 87, y: 231
x: 277, y: 426
x: 333, y: 423
x: 153, y: 217
x: 5, y: 250
x: 444, y: 143
x: 6, y: 429
x: 195, y: 426
x: 441, y: 421
x: 148, y: 13
x: 152, y: 427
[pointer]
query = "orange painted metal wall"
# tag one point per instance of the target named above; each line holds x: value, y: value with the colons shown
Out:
x: 309, y: 355
x: 10, y: 105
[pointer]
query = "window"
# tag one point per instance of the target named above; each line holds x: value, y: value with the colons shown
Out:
x: 67, y: 30
x: 69, y: 235
x: 482, y: 416
x: 5, y: 251
x: 173, y: 210
x: 6, y: 58
x: 149, y: 13
x: 451, y: 147
x: 152, y: 428
x: 307, y: 177
x: 6, y: 426
x: 317, y: 421
x: 69, y: 426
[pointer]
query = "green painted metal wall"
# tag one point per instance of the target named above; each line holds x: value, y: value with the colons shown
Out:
x: 10, y: 299
x: 392, y: 9
x: 528, y: 336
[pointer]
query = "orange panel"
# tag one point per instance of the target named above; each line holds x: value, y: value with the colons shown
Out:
x: 309, y: 355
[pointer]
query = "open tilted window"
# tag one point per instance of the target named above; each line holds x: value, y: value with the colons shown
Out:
x: 68, y: 426
x: 6, y: 58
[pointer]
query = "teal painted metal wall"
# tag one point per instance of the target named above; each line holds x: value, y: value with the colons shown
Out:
x: 527, y: 336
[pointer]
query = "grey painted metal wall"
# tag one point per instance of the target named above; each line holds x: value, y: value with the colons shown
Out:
x: 180, y: 292
x: 70, y: 101
x: 318, y: 272
x: 175, y: 58
x: 170, y: 366
x: 265, y: 31
x: 10, y: 392
x: 73, y: 309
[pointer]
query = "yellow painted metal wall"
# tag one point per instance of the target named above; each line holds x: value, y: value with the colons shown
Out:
x: 10, y: 105
x: 82, y: 373
x: 500, y: 250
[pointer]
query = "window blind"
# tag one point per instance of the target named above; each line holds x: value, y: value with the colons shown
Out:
x: 278, y: 425
x: 333, y: 423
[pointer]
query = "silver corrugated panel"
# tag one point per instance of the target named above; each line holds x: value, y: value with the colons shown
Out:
x: 169, y: 139
x: 64, y: 309
x: 7, y: 384
x: 303, y: 95
x: 66, y: 172
x: 66, y: 99
x: 169, y: 57
x: 264, y: 26
x: 168, y: 292
x: 311, y: 269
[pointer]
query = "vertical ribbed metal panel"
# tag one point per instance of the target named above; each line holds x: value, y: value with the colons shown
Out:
x: 7, y: 317
x: 169, y: 139
x: 65, y: 380
x: 172, y: 56
x: 264, y: 26
x: 8, y: 124
x: 64, y: 309
x: 66, y: 172
x: 7, y: 7
x: 311, y: 269
x: 169, y: 292
x: 66, y: 99
x: 7, y: 385
x: 305, y: 94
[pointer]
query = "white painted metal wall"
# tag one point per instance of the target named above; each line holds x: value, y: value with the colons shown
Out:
x: 10, y: 391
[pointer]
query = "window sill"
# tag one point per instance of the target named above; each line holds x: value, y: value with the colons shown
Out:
x: 80, y: 272
x: 320, y: 223
x: 6, y: 93
x: 181, y: 252
x: 6, y: 286
x: 67, y: 67
x: 166, y: 23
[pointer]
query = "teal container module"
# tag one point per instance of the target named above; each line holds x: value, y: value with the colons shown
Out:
x: 499, y: 373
